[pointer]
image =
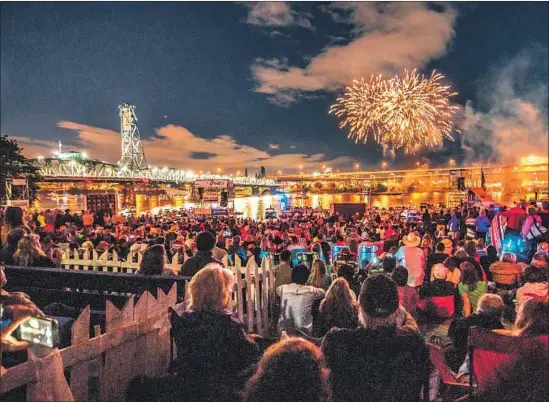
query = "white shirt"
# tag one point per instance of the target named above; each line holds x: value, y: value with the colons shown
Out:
x: 296, y: 302
x: 413, y: 259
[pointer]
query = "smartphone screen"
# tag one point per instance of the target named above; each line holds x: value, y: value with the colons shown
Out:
x: 39, y: 330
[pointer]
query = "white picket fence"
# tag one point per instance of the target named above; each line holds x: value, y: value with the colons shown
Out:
x: 253, y: 295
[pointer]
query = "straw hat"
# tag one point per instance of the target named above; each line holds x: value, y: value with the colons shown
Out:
x: 411, y: 240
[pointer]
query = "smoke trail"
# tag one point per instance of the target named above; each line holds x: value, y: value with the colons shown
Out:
x: 515, y: 124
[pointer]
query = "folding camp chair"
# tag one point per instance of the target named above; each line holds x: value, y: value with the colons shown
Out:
x: 451, y: 389
x: 492, y: 353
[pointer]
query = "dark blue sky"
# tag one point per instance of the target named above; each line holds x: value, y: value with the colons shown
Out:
x: 192, y: 63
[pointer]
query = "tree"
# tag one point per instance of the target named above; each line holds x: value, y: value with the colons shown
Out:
x: 262, y: 172
x: 246, y: 172
x: 14, y: 165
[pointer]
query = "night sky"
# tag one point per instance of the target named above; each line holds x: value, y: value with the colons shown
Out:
x: 240, y: 85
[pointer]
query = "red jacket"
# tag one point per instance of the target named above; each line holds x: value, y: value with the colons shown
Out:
x: 514, y: 216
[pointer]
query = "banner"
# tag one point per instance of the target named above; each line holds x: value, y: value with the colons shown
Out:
x: 211, y: 184
x: 210, y: 197
x: 202, y: 211
x: 220, y: 212
x: 242, y: 192
x: 18, y: 182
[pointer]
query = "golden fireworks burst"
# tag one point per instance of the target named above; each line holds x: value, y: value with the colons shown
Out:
x: 410, y: 112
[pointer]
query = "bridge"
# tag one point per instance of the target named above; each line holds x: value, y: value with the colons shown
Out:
x: 75, y: 166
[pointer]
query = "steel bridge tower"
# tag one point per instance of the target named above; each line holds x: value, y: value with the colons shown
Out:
x: 133, y: 156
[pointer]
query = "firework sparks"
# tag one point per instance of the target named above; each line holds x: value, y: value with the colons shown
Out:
x: 411, y: 112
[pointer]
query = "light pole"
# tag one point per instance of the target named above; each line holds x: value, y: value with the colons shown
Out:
x: 302, y: 201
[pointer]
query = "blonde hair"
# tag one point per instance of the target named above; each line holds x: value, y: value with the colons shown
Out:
x: 318, y: 272
x: 28, y: 251
x: 340, y: 293
x: 210, y: 289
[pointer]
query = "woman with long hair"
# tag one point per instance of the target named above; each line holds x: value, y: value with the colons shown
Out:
x: 275, y: 377
x: 13, y: 218
x: 338, y: 309
x: 265, y: 248
x: 30, y: 254
x: 319, y: 278
x: 470, y: 288
x: 154, y: 262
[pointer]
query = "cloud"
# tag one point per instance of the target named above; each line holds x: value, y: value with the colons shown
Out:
x: 386, y: 38
x: 276, y: 14
x: 177, y: 147
x: 511, y: 120
x: 274, y: 146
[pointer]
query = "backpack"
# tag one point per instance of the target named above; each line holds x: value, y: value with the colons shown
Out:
x: 537, y: 231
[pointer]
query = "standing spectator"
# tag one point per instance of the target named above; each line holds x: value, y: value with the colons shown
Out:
x: 274, y: 379
x: 205, y: 242
x: 487, y: 260
x: 470, y: 288
x: 532, y: 232
x: 515, y: 217
x: 482, y: 225
x: 413, y: 259
x: 377, y: 361
x: 338, y: 309
x: 296, y: 301
x: 283, y: 271
x: 87, y: 219
x: 544, y: 214
x: 454, y: 225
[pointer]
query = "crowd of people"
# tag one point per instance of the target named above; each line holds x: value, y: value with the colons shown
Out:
x: 354, y: 293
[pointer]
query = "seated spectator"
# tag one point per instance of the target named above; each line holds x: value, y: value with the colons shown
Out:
x: 526, y: 377
x: 535, y: 285
x: 275, y: 378
x: 454, y: 273
x: 377, y: 361
x: 30, y: 254
x: 319, y: 278
x: 506, y: 273
x: 338, y: 309
x: 296, y: 302
x: 347, y: 272
x: 154, y: 262
x: 205, y: 242
x: 487, y: 260
x: 470, y: 288
x: 438, y: 257
x: 407, y: 295
x: 439, y: 286
x: 462, y: 256
x: 533, y: 318
x: 540, y: 260
x: 488, y: 315
x: 283, y: 271
x: 13, y: 237
x: 214, y: 354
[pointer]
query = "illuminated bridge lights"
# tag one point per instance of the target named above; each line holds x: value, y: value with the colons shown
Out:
x: 91, y: 169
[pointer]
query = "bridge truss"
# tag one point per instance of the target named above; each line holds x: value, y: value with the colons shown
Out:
x: 83, y: 169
